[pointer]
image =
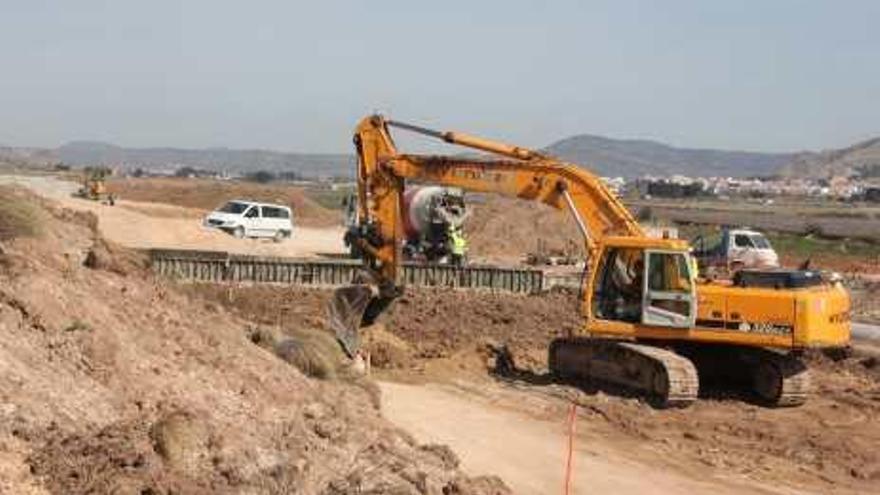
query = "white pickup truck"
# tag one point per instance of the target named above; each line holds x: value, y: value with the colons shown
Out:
x: 732, y: 250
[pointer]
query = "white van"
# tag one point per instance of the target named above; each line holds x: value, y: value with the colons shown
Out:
x: 250, y: 219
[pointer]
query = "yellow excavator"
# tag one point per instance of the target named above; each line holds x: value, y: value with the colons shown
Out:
x: 94, y: 185
x: 650, y: 323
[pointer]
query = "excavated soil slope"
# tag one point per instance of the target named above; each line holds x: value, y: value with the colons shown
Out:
x: 828, y: 445
x: 113, y: 382
x: 203, y: 194
x: 507, y: 229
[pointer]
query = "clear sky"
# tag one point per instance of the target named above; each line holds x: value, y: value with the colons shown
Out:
x: 297, y: 75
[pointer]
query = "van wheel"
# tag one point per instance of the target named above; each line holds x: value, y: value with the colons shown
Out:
x: 238, y: 233
x: 280, y: 235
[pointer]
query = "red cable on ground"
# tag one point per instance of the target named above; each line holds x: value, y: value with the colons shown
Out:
x: 572, y: 416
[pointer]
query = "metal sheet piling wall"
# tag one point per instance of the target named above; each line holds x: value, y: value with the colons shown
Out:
x: 221, y: 267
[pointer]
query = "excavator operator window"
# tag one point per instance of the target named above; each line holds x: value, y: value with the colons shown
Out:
x: 668, y: 272
x: 669, y: 292
x: 619, y: 292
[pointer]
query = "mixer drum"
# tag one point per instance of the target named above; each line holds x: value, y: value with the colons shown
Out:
x: 421, y: 207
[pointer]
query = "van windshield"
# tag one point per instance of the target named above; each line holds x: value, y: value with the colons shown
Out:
x: 233, y: 207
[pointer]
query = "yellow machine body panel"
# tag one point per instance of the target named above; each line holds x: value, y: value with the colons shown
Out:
x: 823, y: 318
x: 813, y: 317
x: 809, y: 317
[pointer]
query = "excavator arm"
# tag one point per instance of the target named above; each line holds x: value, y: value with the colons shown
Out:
x: 512, y: 171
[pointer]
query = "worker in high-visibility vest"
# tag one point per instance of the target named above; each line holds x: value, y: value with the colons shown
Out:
x: 458, y: 246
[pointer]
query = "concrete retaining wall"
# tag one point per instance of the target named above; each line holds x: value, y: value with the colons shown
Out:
x: 219, y: 267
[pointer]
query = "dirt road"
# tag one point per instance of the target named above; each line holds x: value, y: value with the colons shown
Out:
x: 151, y: 225
x: 529, y: 453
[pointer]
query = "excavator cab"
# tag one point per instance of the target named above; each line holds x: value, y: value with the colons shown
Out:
x: 648, y: 285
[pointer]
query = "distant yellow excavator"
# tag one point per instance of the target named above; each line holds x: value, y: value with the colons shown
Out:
x: 650, y: 323
x: 94, y: 185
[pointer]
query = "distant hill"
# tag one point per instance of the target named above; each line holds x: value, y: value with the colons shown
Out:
x: 862, y: 159
x: 634, y: 158
x: 80, y: 153
x: 609, y: 157
x: 27, y: 156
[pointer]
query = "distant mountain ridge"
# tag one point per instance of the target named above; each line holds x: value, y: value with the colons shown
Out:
x: 862, y: 159
x: 80, y: 153
x: 637, y: 157
x: 605, y: 156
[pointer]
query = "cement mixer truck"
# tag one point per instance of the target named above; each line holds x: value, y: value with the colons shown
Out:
x: 432, y: 224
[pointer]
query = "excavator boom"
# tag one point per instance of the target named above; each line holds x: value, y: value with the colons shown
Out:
x: 521, y: 173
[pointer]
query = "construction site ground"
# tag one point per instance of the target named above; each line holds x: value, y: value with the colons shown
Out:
x: 437, y: 349
x: 101, y: 362
x: 116, y: 382
x: 160, y: 224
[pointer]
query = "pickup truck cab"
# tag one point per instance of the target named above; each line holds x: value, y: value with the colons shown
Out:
x: 243, y: 218
x: 734, y: 250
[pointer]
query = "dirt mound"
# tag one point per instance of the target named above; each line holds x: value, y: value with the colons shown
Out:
x: 315, y: 353
x: 424, y: 323
x: 118, y: 458
x: 443, y: 323
x: 204, y: 194
x: 275, y: 307
x: 20, y: 216
x: 115, y: 382
x: 106, y: 255
x: 507, y: 229
x: 838, y: 262
x: 388, y: 351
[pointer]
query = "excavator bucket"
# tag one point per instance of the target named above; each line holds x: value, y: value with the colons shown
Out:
x: 346, y: 314
x: 354, y: 307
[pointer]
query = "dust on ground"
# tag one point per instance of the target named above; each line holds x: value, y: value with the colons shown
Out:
x: 115, y: 382
x: 206, y: 194
x: 146, y: 225
x: 522, y: 440
x: 450, y: 337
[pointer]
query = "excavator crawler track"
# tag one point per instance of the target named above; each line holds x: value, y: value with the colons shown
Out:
x: 668, y: 379
x: 780, y: 380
